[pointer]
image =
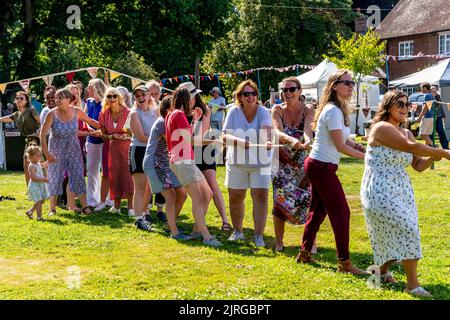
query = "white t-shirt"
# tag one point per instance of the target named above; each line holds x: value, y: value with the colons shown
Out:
x: 323, y: 148
x: 237, y: 125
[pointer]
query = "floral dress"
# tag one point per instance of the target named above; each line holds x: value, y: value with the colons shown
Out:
x: 291, y: 187
x: 37, y: 190
x: 387, y: 198
x: 121, y: 183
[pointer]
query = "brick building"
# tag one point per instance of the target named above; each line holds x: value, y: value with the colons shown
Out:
x: 414, y: 27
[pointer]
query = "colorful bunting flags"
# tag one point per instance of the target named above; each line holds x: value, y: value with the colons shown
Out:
x: 48, y: 80
x: 113, y: 75
x: 25, y: 84
x: 70, y: 76
x: 2, y: 87
x: 93, y: 72
x: 135, y: 82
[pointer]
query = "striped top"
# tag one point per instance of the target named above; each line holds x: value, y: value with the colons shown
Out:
x: 157, y: 145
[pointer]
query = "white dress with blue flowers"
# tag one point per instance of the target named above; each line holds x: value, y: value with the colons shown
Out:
x: 38, y: 191
x: 387, y: 198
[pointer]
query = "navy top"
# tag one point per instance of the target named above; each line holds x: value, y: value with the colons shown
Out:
x: 93, y: 110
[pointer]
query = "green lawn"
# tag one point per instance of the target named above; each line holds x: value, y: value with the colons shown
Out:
x: 117, y: 261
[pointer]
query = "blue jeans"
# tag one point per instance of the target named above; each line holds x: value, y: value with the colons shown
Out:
x: 441, y: 132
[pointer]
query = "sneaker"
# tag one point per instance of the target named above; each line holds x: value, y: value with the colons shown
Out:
x: 100, y: 206
x: 148, y: 218
x: 114, y: 210
x: 143, y: 225
x: 51, y: 213
x: 259, y: 241
x: 161, y: 216
x: 180, y: 237
x: 212, y: 242
x: 131, y: 212
x: 236, y: 236
x: 149, y: 206
x: 196, y: 235
x: 109, y: 203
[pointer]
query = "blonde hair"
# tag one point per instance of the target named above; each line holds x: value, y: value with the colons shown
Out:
x: 32, y: 150
x: 105, y: 102
x: 77, y: 97
x: 240, y: 89
x: 153, y: 83
x: 99, y: 87
x: 330, y: 95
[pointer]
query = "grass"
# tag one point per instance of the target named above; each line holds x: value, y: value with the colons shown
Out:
x: 117, y: 261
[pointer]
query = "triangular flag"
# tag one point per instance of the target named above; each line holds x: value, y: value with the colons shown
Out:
x: 113, y: 75
x: 192, y: 77
x: 70, y: 76
x: 25, y: 84
x: 48, y: 80
x: 2, y: 87
x: 92, y: 72
x: 448, y: 106
x: 135, y: 82
x: 429, y: 104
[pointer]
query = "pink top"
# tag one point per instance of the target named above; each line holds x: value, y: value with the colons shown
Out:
x: 179, y: 149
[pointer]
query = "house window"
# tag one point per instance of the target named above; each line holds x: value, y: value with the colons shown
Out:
x: 444, y: 43
x: 405, y: 49
x: 408, y: 90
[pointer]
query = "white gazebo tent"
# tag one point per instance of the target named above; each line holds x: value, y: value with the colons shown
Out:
x: 315, y: 80
x: 438, y: 74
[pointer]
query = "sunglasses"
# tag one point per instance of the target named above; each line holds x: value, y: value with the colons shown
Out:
x: 249, y: 93
x: 19, y: 98
x: 346, y: 82
x: 111, y: 96
x: 401, y: 105
x: 291, y: 89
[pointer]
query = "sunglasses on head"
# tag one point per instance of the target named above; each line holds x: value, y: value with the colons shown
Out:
x: 346, y: 82
x: 401, y: 105
x: 291, y: 89
x: 249, y: 93
x: 111, y: 96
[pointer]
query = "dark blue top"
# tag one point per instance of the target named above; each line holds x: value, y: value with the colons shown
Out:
x: 93, y: 110
x: 422, y: 98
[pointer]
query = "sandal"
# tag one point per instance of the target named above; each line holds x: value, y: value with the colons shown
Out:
x: 388, y: 278
x: 29, y: 214
x: 419, y: 292
x: 226, y: 227
x: 51, y: 213
x: 77, y: 210
x: 83, y: 211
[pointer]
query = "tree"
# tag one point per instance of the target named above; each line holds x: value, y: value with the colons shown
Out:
x: 276, y: 33
x: 361, y: 54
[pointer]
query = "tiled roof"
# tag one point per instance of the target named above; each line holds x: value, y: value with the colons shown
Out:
x: 410, y: 17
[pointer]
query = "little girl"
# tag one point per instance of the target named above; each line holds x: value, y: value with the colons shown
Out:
x: 37, y: 187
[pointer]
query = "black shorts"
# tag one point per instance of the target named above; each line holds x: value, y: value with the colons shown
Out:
x: 203, y: 165
x: 135, y: 159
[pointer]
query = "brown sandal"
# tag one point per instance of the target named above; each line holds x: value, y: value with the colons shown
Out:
x: 305, y: 257
x: 226, y: 227
x: 29, y: 214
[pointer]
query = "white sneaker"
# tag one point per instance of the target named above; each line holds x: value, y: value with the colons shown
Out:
x: 131, y: 212
x: 114, y: 210
x: 259, y: 241
x: 100, y: 206
x: 149, y: 206
x: 109, y: 203
x: 236, y: 235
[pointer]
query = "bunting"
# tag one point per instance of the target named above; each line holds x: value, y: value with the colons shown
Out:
x: 2, y: 87
x: 92, y: 72
x: 70, y: 76
x: 135, y: 82
x: 113, y: 75
x: 419, y: 55
x: 48, y: 80
x: 25, y: 84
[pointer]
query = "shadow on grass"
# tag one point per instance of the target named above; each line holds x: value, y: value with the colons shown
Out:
x: 101, y: 218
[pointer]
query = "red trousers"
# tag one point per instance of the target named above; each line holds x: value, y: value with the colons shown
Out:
x: 327, y: 197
